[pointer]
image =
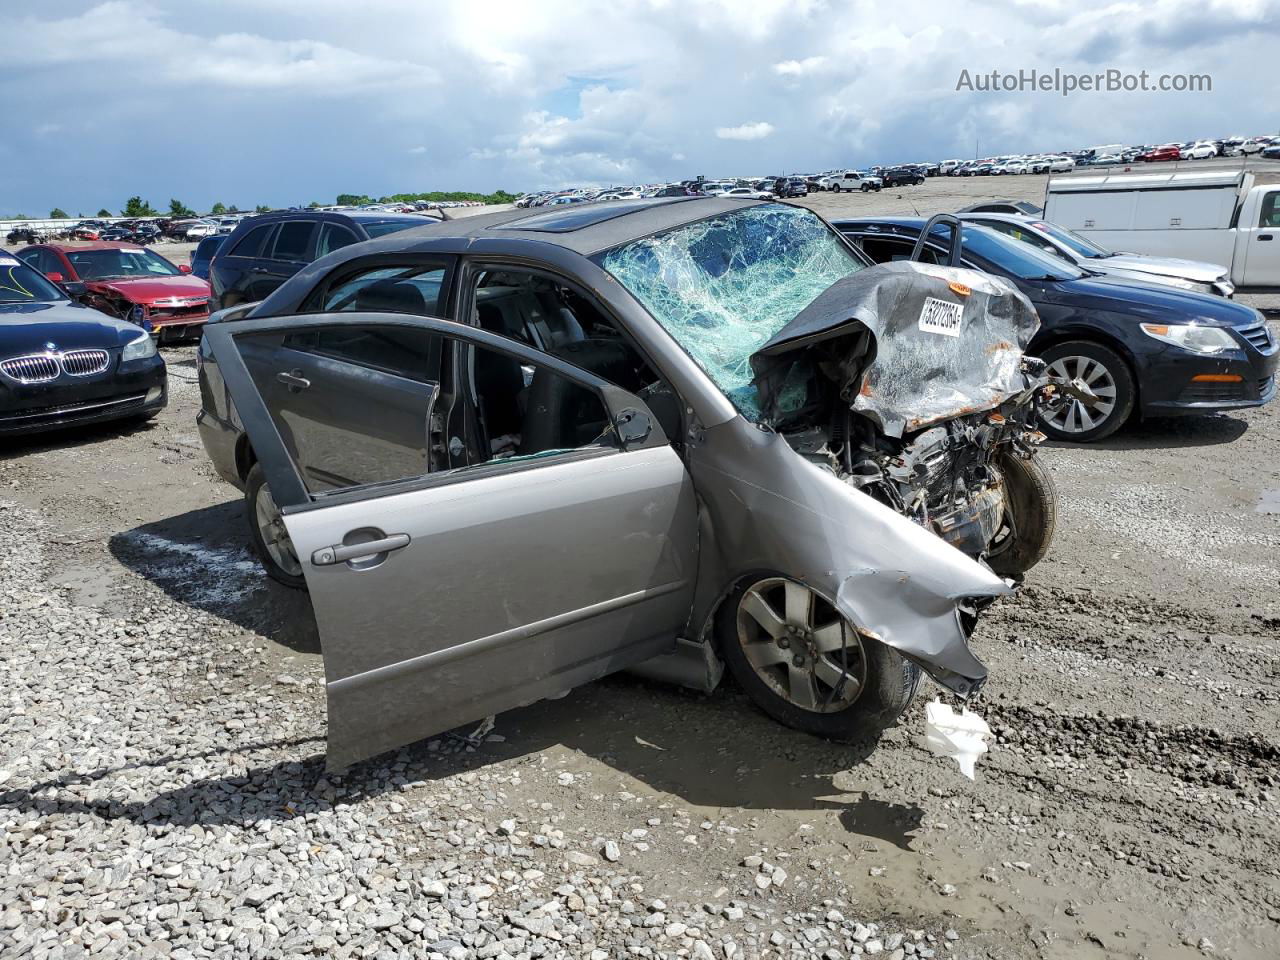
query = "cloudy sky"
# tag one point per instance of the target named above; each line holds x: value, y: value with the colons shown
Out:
x: 288, y: 101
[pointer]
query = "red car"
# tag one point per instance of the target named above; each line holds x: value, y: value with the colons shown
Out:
x: 127, y: 281
x: 1157, y: 154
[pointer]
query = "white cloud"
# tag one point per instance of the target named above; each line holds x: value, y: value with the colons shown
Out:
x: 280, y: 103
x: 746, y: 131
x: 799, y: 68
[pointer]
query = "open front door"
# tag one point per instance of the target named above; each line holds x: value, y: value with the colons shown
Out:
x: 565, y: 551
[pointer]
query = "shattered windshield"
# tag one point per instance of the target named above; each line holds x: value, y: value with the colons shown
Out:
x: 723, y: 287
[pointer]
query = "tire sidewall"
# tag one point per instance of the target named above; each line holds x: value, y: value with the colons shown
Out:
x: 253, y: 483
x: 891, y: 683
x: 1032, y: 498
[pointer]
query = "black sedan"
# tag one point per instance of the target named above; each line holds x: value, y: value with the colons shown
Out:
x: 63, y: 364
x: 1138, y: 346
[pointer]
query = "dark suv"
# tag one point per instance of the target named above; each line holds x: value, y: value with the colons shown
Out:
x: 787, y: 187
x: 902, y: 176
x: 263, y: 252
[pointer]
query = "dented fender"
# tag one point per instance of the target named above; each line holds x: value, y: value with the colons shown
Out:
x: 773, y: 510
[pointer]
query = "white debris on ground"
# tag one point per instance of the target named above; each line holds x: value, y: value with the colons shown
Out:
x: 961, y: 735
x: 158, y: 798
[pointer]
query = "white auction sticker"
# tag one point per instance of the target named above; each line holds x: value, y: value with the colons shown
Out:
x: 941, y: 316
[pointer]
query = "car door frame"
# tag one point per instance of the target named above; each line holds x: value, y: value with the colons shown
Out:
x: 287, y: 485
x: 646, y: 612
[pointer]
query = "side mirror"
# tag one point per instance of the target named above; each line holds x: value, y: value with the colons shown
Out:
x: 75, y: 289
x: 55, y: 277
x: 184, y: 268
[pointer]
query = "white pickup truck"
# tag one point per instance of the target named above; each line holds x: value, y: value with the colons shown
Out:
x: 1210, y: 216
x: 853, y: 180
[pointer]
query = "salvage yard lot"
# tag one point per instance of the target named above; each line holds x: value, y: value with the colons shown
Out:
x: 162, y: 788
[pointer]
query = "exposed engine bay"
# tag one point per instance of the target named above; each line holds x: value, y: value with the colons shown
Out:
x: 951, y: 478
x: 909, y: 381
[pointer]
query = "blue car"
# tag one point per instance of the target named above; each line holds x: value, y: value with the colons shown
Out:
x: 1140, y: 347
x: 204, y: 253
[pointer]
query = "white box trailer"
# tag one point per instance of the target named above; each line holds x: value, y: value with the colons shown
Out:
x: 1213, y: 216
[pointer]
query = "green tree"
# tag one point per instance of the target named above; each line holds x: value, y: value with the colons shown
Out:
x: 233, y: 209
x: 57, y: 213
x: 218, y: 209
x: 351, y: 199
x: 137, y: 207
x: 178, y: 209
x: 104, y: 212
x: 262, y: 208
x: 313, y: 205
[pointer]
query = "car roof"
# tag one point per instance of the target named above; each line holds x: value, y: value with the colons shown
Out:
x: 586, y: 228
x: 374, y: 216
x: 91, y: 245
x: 907, y: 223
x: 1006, y: 217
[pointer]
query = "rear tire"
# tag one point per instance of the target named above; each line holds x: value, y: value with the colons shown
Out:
x: 1102, y: 370
x: 836, y: 709
x: 266, y: 529
x: 1031, y: 501
x: 835, y: 188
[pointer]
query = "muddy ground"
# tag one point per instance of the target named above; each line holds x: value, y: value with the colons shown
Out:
x: 1129, y: 808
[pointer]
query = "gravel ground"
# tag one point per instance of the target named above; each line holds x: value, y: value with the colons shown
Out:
x: 162, y: 789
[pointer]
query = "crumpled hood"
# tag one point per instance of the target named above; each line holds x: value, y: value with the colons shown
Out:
x: 150, y: 289
x: 909, y: 344
x: 1161, y: 266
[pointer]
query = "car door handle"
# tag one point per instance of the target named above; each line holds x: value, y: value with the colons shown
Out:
x: 295, y: 381
x: 342, y: 552
x: 1264, y: 236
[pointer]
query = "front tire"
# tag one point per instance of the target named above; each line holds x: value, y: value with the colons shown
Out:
x: 866, y: 188
x: 835, y: 188
x: 805, y: 665
x: 1104, y: 372
x: 1031, y: 514
x: 267, y: 531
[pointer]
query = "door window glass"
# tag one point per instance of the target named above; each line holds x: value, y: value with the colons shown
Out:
x: 253, y: 242
x: 291, y: 241
x: 416, y: 289
x: 1270, y: 216
x: 354, y: 405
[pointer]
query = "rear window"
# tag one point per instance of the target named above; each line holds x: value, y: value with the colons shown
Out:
x: 208, y: 247
x: 380, y: 228
x: 292, y: 240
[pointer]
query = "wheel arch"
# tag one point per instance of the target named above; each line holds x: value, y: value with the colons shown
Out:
x: 1096, y: 335
x: 245, y: 457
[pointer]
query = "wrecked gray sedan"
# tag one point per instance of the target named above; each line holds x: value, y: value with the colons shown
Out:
x: 513, y: 453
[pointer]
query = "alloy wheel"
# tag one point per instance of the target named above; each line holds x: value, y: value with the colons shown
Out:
x: 1075, y: 416
x: 274, y: 535
x: 800, y: 645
